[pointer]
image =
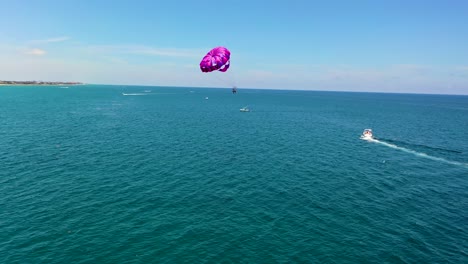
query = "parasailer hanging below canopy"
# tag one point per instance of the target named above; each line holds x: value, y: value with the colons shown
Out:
x: 216, y: 59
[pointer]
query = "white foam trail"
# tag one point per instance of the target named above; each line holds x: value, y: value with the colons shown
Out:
x: 134, y: 94
x: 145, y: 93
x: 419, y: 154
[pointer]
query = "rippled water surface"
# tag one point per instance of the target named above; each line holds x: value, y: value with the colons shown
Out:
x: 163, y: 175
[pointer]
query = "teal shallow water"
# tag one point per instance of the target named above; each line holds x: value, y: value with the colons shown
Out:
x: 88, y: 175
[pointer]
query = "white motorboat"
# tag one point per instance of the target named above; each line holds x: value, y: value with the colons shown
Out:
x: 245, y: 109
x: 367, y: 134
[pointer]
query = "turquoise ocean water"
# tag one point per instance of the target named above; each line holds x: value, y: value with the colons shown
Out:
x: 163, y: 175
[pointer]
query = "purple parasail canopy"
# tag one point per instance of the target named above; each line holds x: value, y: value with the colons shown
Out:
x: 216, y: 60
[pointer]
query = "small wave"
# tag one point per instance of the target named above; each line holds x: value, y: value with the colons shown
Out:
x: 419, y: 154
x: 146, y: 93
x: 126, y: 94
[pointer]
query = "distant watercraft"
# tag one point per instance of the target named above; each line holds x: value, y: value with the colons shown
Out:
x: 206, y: 98
x: 147, y: 91
x: 245, y: 109
x: 367, y: 134
x: 64, y: 87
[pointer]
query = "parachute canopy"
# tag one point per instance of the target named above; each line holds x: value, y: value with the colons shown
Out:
x: 216, y: 60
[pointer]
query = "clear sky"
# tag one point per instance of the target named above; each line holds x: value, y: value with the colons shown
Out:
x: 383, y: 46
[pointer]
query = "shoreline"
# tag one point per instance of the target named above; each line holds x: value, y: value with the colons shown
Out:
x: 58, y: 84
x: 34, y: 83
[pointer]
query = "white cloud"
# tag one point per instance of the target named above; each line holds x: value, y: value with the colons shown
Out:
x: 462, y: 70
x: 145, y: 50
x: 35, y: 52
x: 164, y: 52
x: 51, y: 40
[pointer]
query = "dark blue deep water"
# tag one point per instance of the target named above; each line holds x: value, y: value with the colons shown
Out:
x: 89, y: 175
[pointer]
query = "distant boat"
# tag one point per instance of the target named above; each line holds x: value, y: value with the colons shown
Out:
x: 64, y: 87
x: 206, y: 98
x: 367, y: 134
x: 147, y: 91
x: 245, y: 109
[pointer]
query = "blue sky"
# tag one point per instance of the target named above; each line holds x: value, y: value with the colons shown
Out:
x: 382, y: 46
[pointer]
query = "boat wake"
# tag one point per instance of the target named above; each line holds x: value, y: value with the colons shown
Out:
x: 411, y: 145
x: 419, y: 154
